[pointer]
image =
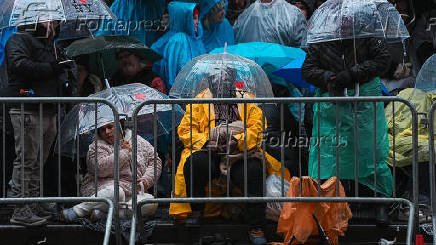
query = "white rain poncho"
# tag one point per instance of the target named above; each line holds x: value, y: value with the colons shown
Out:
x: 275, y: 22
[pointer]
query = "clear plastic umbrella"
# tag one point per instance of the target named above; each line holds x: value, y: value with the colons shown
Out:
x: 80, y: 121
x: 426, y: 79
x: 348, y: 19
x: 226, y: 73
x: 29, y: 12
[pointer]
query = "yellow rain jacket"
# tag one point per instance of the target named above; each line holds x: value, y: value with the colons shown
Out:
x: 200, y: 135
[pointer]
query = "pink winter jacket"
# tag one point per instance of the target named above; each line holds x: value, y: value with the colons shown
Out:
x: 105, y: 173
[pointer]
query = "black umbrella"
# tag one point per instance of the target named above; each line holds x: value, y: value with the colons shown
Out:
x: 108, y: 45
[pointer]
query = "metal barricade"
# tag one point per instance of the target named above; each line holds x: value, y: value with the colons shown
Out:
x: 261, y: 102
x: 29, y: 200
x: 38, y: 112
x: 431, y: 132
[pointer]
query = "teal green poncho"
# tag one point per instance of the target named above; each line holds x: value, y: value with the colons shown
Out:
x: 365, y: 122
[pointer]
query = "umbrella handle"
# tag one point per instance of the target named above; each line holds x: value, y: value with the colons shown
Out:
x: 107, y: 83
x: 356, y: 90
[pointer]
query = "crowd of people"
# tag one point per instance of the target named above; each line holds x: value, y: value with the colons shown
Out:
x: 181, y: 31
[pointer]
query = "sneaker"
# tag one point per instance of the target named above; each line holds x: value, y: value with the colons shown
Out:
x: 68, y: 215
x: 97, y: 215
x: 257, y: 236
x: 40, y: 210
x: 25, y: 216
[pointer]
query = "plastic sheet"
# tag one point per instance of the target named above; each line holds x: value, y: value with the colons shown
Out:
x: 274, y: 189
x: 275, y: 22
x: 213, y: 70
x: 347, y: 19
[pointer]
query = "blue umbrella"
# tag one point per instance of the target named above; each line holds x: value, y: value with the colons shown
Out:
x: 261, y: 53
x: 292, y: 73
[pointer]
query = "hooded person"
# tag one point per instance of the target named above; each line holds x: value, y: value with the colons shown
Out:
x: 181, y: 43
x: 223, y: 143
x: 139, y: 19
x: 275, y: 21
x: 217, y: 29
x: 100, y: 156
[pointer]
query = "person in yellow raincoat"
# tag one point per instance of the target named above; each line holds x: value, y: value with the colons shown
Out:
x: 220, y: 114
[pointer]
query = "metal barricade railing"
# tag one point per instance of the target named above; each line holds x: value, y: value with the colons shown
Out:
x: 432, y: 182
x: 29, y: 200
x: 38, y: 110
x: 261, y: 102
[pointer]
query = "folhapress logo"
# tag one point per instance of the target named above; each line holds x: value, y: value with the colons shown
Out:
x: 431, y: 23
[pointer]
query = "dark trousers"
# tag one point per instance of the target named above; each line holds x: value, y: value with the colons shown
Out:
x: 254, y: 215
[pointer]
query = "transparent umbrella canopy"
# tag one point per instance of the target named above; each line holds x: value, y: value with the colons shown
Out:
x: 348, y: 19
x: 80, y: 123
x: 226, y: 75
x: 426, y: 79
x: 28, y: 12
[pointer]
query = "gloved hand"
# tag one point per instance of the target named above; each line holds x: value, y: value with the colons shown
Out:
x: 334, y: 90
x: 343, y: 80
x: 59, y: 68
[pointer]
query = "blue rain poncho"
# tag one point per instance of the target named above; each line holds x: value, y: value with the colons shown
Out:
x: 215, y: 35
x: 136, y: 18
x: 180, y: 44
x: 5, y: 34
x: 275, y: 22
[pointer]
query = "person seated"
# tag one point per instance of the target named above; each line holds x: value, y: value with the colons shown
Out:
x: 217, y: 29
x: 134, y: 70
x: 147, y: 174
x: 88, y: 83
x: 181, y: 43
x: 271, y: 21
x: 226, y: 139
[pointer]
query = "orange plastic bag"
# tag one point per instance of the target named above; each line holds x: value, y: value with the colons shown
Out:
x: 296, y: 219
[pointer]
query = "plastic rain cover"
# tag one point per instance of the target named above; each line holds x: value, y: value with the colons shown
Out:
x: 221, y: 72
x: 275, y: 22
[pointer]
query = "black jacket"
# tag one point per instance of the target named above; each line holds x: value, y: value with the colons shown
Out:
x: 28, y: 60
x: 324, y: 60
